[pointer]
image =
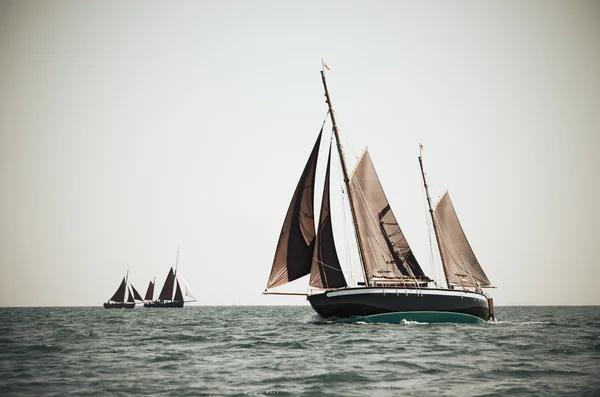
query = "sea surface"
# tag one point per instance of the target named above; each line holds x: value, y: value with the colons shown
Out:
x: 290, y: 351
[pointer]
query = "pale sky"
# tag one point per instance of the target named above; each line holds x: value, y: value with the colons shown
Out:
x: 129, y: 128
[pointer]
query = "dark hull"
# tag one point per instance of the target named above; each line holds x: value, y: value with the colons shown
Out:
x: 164, y: 304
x: 119, y: 305
x: 360, y: 302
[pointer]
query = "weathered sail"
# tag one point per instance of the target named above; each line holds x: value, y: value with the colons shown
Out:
x: 149, y: 292
x: 293, y: 256
x: 119, y: 296
x: 386, y: 251
x: 326, y: 271
x: 130, y: 298
x: 460, y: 263
x: 178, y: 295
x: 136, y: 294
x: 167, y: 291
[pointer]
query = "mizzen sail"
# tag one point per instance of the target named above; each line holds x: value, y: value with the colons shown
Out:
x: 293, y: 256
x: 326, y: 271
x: 461, y: 265
x: 386, y: 251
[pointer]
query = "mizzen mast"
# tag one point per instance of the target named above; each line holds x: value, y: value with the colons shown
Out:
x: 346, y: 178
x: 435, y: 230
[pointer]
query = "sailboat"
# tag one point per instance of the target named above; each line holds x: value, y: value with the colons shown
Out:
x: 166, y: 298
x: 122, y: 300
x: 394, y: 287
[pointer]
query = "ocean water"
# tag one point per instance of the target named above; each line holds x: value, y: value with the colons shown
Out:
x: 289, y: 351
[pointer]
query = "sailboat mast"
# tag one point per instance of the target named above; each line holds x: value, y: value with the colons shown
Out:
x: 126, y: 281
x: 175, y: 278
x: 435, y: 230
x: 346, y: 178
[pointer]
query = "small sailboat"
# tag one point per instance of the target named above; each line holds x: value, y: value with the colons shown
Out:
x: 166, y: 298
x: 121, y: 299
x: 394, y: 287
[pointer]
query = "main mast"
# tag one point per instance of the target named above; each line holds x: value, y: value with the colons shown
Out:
x: 126, y: 287
x: 346, y: 179
x: 435, y: 230
x: 175, y: 278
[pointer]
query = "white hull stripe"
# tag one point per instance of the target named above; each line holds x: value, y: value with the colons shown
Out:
x: 409, y: 291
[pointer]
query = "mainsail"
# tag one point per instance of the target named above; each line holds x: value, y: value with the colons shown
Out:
x: 293, y: 256
x: 166, y: 293
x: 386, y: 251
x: 149, y: 292
x: 119, y: 296
x: 460, y: 263
x: 326, y: 271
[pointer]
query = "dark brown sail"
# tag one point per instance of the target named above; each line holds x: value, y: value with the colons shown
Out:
x: 462, y: 267
x: 387, y: 253
x: 167, y: 291
x: 178, y: 295
x: 326, y: 271
x: 136, y: 294
x: 293, y: 256
x: 130, y: 298
x: 149, y: 292
x: 119, y: 296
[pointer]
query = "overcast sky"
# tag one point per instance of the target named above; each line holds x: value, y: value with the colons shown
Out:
x: 129, y: 128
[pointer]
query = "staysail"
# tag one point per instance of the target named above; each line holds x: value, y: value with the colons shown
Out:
x: 326, y: 271
x: 119, y: 296
x: 149, y: 292
x: 386, y: 251
x: 293, y: 256
x: 130, y: 298
x: 166, y: 294
x: 136, y: 294
x: 178, y: 295
x: 461, y: 265
x: 188, y: 290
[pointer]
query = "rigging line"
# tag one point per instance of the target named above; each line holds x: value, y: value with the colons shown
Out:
x: 432, y: 267
x: 346, y: 240
x: 326, y: 265
x: 347, y: 135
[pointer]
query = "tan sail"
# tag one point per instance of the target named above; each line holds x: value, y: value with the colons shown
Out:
x: 386, y: 251
x: 461, y: 265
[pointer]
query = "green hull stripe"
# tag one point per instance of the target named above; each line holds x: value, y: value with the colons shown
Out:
x: 421, y: 317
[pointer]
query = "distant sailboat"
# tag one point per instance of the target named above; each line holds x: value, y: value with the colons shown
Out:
x: 122, y: 300
x: 166, y: 298
x: 395, y: 288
